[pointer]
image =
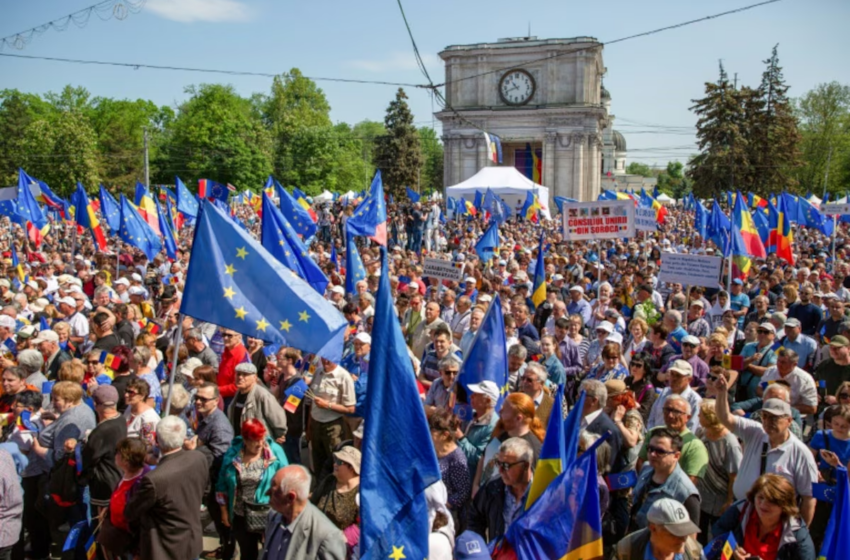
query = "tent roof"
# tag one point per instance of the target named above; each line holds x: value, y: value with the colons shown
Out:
x: 494, y: 178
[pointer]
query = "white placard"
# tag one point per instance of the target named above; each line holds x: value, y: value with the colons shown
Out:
x: 645, y: 219
x: 835, y: 209
x: 690, y: 270
x: 603, y: 219
x: 444, y: 270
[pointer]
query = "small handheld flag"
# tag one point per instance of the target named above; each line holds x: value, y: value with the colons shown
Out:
x: 294, y: 395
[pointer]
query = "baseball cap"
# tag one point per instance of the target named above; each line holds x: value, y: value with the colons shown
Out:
x: 364, y: 338
x: 471, y: 546
x: 777, y: 407
x: 672, y: 516
x: 792, y: 322
x: 768, y: 326
x: 46, y: 336
x: 338, y: 290
x: 8, y: 322
x: 605, y: 326
x: 690, y: 339
x: 350, y: 455
x: 67, y: 300
x: 487, y: 388
x: 105, y: 395
x: 738, y: 281
x: 122, y: 281
x: 578, y: 289
x: 839, y: 341
x: 136, y: 277
x: 136, y: 291
x: 614, y: 337
x: 682, y: 367
x: 413, y: 286
x: 26, y: 332
x: 697, y: 302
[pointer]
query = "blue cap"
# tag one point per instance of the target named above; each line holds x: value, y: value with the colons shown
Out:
x: 738, y: 281
x: 471, y: 546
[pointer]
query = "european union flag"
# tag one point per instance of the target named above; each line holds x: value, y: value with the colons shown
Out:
x: 762, y: 226
x: 700, y: 219
x: 478, y: 200
x: 294, y: 213
x: 354, y: 270
x: 279, y: 239
x: 334, y: 257
x: 493, y: 204
x: 135, y: 231
x: 837, y: 538
x: 186, y: 202
x: 234, y: 282
x: 412, y: 195
x: 718, y: 228
x: 110, y: 210
x: 486, y: 246
x: 27, y: 213
x: 561, y: 200
x: 370, y: 217
x: 487, y: 359
x: 399, y: 462
x: 566, y: 521
x: 621, y: 480
x: 167, y: 235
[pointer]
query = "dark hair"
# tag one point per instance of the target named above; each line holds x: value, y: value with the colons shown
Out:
x: 661, y: 330
x: 121, y: 310
x: 100, y: 318
x: 350, y: 309
x: 667, y: 433
x: 140, y: 386
x: 29, y: 399
x: 444, y: 421
x: 126, y: 356
x: 442, y: 330
x: 206, y: 373
x: 133, y: 451
x: 253, y: 429
x: 562, y: 323
x: 209, y: 385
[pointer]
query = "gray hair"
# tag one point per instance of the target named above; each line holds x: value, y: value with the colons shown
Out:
x: 142, y: 354
x: 194, y: 334
x: 518, y: 350
x: 170, y: 433
x: 789, y: 353
x: 519, y: 448
x: 179, y: 400
x: 595, y: 388
x: 449, y: 360
x: 297, y: 479
x: 785, y: 393
x: 102, y: 289
x: 674, y: 316
x: 603, y: 452
x: 675, y: 397
x: 538, y: 370
x: 31, y: 360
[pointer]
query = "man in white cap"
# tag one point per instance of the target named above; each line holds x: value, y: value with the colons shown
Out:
x: 579, y: 305
x: 121, y: 286
x: 679, y: 383
x: 337, y: 297
x: 69, y: 307
x: 483, y: 398
x: 668, y: 534
x: 758, y: 357
x: 690, y: 346
x: 47, y: 342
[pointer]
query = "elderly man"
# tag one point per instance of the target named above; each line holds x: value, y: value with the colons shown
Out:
x: 335, y: 397
x: 475, y: 318
x: 579, y: 305
x: 559, y: 310
x: 441, y: 390
x: 533, y: 383
x: 7, y: 335
x: 834, y: 370
x: 596, y: 421
x: 297, y: 528
x: 47, y: 343
x: 429, y: 369
x: 252, y: 400
x: 751, y: 408
x: 422, y: 334
x: 690, y: 346
x: 32, y: 361
x: 121, y: 287
x: 664, y: 479
x: 758, y: 357
x: 502, y: 500
x: 234, y: 353
x: 197, y: 347
x: 71, y: 308
x: 516, y: 365
x: 805, y: 346
x: 523, y: 324
x: 483, y: 398
x: 165, y: 506
x: 694, y: 455
x: 460, y: 320
x: 761, y: 314
x: 668, y: 534
x: 804, y: 394
x: 680, y: 373
x: 769, y: 447
x: 673, y: 321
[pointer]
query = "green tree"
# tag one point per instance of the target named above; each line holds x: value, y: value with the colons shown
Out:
x: 398, y: 154
x: 642, y: 169
x: 17, y: 111
x: 672, y: 180
x: 824, y: 121
x: 432, y: 151
x: 721, y: 142
x: 215, y: 135
x: 368, y: 133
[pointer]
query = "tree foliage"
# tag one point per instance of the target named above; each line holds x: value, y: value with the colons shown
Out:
x: 398, y: 154
x: 637, y: 168
x: 432, y: 150
x: 824, y: 117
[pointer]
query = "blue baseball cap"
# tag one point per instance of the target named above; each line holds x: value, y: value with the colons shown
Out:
x: 471, y: 546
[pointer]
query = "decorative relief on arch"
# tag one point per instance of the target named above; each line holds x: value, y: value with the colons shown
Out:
x: 564, y: 140
x: 470, y: 142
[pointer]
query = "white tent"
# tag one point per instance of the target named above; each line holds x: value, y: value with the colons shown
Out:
x: 507, y: 182
x: 664, y: 199
x: 326, y: 196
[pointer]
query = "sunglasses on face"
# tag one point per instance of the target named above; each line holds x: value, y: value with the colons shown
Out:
x: 688, y: 345
x: 503, y: 466
x: 653, y: 450
x: 92, y: 363
x: 450, y: 373
x: 228, y: 335
x: 130, y: 393
x: 202, y: 400
x: 674, y: 412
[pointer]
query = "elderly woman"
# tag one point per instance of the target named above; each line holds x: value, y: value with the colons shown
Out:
x: 256, y: 353
x: 611, y: 366
x: 453, y: 467
x: 141, y: 367
x: 141, y: 417
x: 638, y: 340
x: 482, y: 398
x: 593, y: 357
x: 115, y: 536
x: 724, y: 458
x: 639, y: 382
x: 552, y: 360
x: 32, y: 361
x: 574, y: 334
x: 441, y: 391
x: 13, y: 382
x: 63, y: 330
x: 242, y: 490
x: 767, y: 524
x: 337, y: 495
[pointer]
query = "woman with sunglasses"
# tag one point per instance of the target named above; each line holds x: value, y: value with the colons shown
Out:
x: 140, y: 416
x: 444, y: 426
x: 336, y: 496
x: 639, y: 382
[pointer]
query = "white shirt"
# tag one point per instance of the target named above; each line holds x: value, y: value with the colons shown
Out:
x: 79, y: 325
x: 590, y: 418
x: 803, y: 389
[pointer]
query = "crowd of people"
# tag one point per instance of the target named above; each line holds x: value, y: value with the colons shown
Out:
x: 729, y: 406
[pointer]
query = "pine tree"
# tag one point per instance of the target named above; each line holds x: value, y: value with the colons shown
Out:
x: 398, y: 154
x: 722, y: 145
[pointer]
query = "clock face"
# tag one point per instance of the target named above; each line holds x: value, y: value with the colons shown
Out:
x: 516, y: 87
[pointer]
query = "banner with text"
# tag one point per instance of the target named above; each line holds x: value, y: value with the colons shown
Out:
x: 835, y: 209
x: 645, y: 219
x: 444, y: 270
x: 603, y: 219
x: 690, y: 270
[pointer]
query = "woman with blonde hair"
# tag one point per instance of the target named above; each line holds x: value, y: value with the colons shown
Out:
x: 516, y: 419
x: 724, y: 458
x: 638, y: 340
x: 63, y: 330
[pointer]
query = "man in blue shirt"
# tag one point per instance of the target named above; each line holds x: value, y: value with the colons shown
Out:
x: 739, y: 301
x: 808, y: 313
x: 805, y: 346
x: 579, y: 305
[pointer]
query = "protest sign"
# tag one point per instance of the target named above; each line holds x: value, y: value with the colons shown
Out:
x: 835, y: 209
x: 645, y: 219
x: 444, y: 270
x: 603, y: 219
x: 690, y: 270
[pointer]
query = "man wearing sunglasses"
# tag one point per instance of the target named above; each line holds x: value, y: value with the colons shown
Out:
x: 234, y: 354
x: 690, y: 346
x: 679, y: 383
x: 758, y: 357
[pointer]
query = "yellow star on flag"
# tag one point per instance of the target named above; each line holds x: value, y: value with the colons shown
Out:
x: 262, y: 324
x: 240, y: 313
x: 304, y: 316
x: 228, y: 269
x: 285, y: 326
x: 398, y: 553
x: 229, y: 293
x: 241, y: 253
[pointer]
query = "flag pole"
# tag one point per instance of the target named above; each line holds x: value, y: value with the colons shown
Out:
x: 834, y: 227
x: 178, y: 339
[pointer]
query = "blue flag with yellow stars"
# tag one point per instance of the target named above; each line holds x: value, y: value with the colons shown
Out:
x: 294, y: 213
x: 487, y: 359
x: 354, y: 270
x: 167, y: 234
x: 186, y: 201
x: 399, y: 462
x: 279, y: 239
x: 110, y: 210
x: 135, y: 231
x: 370, y: 216
x: 486, y: 246
x: 234, y: 282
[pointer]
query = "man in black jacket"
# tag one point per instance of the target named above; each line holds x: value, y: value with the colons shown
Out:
x: 47, y: 343
x: 596, y: 421
x: 501, y: 500
x: 99, y: 472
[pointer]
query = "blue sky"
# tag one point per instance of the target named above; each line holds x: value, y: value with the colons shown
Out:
x: 652, y: 79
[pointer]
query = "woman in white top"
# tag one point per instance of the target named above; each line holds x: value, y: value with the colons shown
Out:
x: 638, y: 341
x: 141, y: 418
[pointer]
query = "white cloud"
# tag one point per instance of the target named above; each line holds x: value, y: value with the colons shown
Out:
x: 396, y: 62
x: 188, y: 11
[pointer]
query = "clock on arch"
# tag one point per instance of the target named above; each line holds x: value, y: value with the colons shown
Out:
x: 517, y: 87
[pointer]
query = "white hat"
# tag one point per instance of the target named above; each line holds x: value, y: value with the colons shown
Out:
x: 122, y: 281
x: 485, y: 298
x: 363, y: 337
x: 46, y: 336
x: 470, y: 279
x: 605, y: 326
x: 38, y: 305
x: 682, y: 367
x: 338, y: 290
x: 189, y: 366
x: 67, y: 300
x: 615, y: 337
x: 578, y: 289
x: 136, y: 277
x: 136, y: 291
x: 34, y: 285
x: 768, y: 326
x: 8, y: 322
x: 673, y: 516
x: 413, y: 286
x: 488, y: 388
x: 5, y: 283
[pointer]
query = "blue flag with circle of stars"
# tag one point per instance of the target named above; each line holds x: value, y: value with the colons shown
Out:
x: 135, y: 231
x: 187, y: 204
x: 167, y: 234
x: 354, y: 270
x: 487, y: 359
x: 370, y: 216
x: 110, y: 210
x: 279, y: 239
x: 486, y: 246
x: 294, y: 213
x: 232, y: 281
x: 399, y: 462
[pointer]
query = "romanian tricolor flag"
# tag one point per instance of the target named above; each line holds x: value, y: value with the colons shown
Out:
x: 294, y: 395
x: 757, y: 202
x: 749, y: 234
x: 301, y: 199
x: 494, y: 147
x: 470, y: 207
x: 531, y: 207
x: 86, y: 217
x: 16, y: 264
x: 538, y: 290
x: 111, y: 361
x: 649, y: 202
x: 146, y: 207
x: 537, y: 167
x: 782, y: 237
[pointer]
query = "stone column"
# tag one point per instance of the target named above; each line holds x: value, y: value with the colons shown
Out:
x: 447, y: 162
x: 549, y: 163
x: 577, y: 189
x: 457, y: 158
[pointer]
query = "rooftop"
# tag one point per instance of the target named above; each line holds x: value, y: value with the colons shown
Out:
x: 514, y: 42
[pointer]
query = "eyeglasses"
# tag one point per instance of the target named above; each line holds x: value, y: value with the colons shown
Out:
x: 94, y: 363
x: 635, y: 364
x: 451, y: 372
x: 674, y: 412
x: 339, y: 463
x: 529, y: 379
x: 764, y: 331
x: 202, y: 400
x: 228, y: 335
x: 653, y: 450
x: 503, y: 466
x: 130, y: 393
x: 844, y: 395
x: 689, y: 345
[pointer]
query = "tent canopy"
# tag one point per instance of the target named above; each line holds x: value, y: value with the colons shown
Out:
x: 507, y: 182
x: 326, y: 196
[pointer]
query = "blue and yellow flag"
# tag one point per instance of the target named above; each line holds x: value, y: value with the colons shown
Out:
x: 399, y: 462
x: 234, y: 282
x: 370, y: 216
x: 167, y: 234
x: 16, y: 264
x: 354, y: 270
x: 782, y: 236
x: 136, y: 231
x: 531, y: 206
x: 186, y: 202
x: 110, y: 210
x: 486, y: 247
x: 538, y: 290
x: 566, y: 521
x: 412, y: 194
x: 86, y: 217
x: 294, y: 213
x: 837, y: 537
x: 487, y: 358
